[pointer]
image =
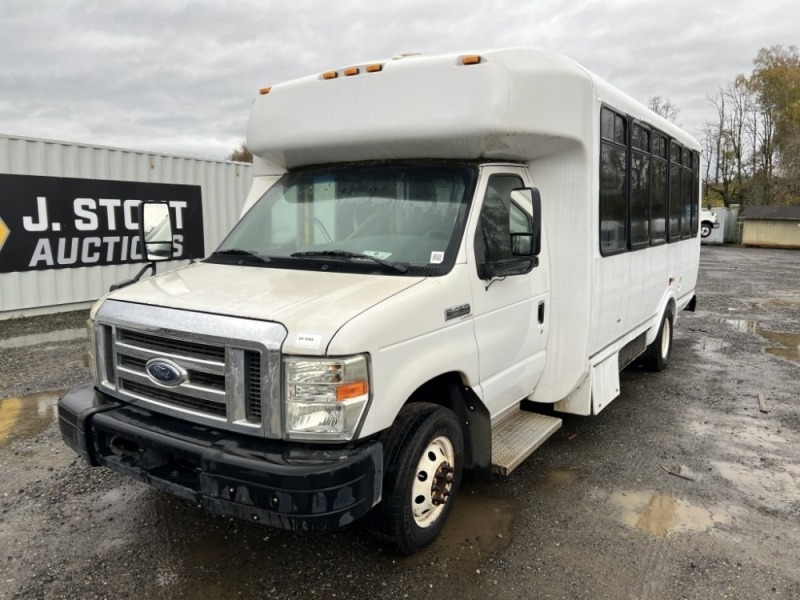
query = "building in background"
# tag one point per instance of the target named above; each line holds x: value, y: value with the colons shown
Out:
x: 771, y: 226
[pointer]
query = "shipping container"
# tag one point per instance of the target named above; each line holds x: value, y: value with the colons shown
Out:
x: 68, y: 216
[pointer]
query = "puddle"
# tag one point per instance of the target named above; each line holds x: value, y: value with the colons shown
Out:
x: 477, y: 524
x: 24, y: 341
x: 26, y: 416
x: 786, y: 345
x: 660, y: 514
x: 559, y: 477
x: 743, y: 325
x: 710, y: 345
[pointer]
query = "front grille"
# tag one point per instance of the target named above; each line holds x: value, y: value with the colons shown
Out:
x: 225, y: 370
x: 206, y: 387
x: 173, y: 346
x: 174, y: 398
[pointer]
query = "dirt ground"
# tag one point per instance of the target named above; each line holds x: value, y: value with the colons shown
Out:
x: 684, y: 487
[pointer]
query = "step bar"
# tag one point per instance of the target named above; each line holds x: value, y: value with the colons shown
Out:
x: 517, y: 437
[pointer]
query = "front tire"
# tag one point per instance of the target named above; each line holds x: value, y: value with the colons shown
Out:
x: 705, y: 229
x: 656, y: 357
x: 423, y: 461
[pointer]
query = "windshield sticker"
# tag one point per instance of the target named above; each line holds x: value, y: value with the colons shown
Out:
x: 437, y: 258
x: 308, y: 340
x: 376, y: 254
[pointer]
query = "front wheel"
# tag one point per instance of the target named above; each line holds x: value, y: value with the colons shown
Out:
x: 423, y: 460
x: 656, y: 357
x: 705, y: 229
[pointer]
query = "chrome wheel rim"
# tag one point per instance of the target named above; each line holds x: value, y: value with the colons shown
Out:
x: 433, y: 482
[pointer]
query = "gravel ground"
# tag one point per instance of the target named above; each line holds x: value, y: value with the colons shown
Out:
x: 681, y: 488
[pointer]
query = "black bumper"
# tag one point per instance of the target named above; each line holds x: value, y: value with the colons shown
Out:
x: 280, y: 484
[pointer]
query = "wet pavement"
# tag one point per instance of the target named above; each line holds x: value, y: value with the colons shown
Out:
x: 26, y: 416
x: 686, y: 486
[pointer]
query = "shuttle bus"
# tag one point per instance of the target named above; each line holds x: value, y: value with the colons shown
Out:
x: 438, y: 254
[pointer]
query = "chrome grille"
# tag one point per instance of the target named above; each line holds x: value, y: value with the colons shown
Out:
x: 204, y: 389
x: 229, y: 366
x: 172, y: 346
x: 174, y: 398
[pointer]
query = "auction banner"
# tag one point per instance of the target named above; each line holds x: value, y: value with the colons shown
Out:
x: 62, y: 222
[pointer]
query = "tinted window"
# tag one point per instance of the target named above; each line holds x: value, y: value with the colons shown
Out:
x: 675, y: 202
x: 658, y: 202
x: 497, y: 220
x: 613, y: 229
x: 640, y: 199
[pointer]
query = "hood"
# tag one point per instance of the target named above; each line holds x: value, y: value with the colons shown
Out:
x: 312, y: 305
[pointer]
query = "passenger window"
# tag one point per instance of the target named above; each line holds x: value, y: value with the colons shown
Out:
x: 500, y: 218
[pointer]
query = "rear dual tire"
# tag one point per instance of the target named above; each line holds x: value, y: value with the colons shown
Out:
x: 657, y: 355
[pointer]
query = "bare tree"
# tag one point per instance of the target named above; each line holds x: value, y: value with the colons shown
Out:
x: 721, y: 152
x: 664, y: 107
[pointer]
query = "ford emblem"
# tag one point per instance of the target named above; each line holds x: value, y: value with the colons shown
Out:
x: 165, y: 372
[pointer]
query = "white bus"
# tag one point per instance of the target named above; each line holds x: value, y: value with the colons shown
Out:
x: 433, y: 247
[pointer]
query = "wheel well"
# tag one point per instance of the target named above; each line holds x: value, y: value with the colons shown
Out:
x: 672, y: 307
x: 450, y: 391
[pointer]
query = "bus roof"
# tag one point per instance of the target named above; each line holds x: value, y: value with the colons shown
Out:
x: 512, y: 104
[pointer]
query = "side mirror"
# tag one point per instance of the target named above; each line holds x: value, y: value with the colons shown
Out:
x: 529, y: 202
x: 522, y: 244
x: 155, y: 230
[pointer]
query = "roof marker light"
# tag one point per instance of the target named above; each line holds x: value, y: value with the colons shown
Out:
x: 265, y: 90
x: 350, y: 71
x: 472, y: 59
x: 374, y: 68
x: 330, y: 75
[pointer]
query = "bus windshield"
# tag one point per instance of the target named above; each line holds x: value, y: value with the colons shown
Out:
x: 375, y: 216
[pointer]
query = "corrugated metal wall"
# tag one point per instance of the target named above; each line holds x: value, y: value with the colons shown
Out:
x: 771, y: 234
x: 224, y: 188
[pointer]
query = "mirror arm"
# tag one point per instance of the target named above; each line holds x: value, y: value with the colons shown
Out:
x: 135, y: 278
x: 493, y: 279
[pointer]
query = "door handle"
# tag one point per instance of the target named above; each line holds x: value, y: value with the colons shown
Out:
x: 541, y: 312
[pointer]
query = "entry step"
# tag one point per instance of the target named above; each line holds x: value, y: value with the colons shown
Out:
x: 517, y: 437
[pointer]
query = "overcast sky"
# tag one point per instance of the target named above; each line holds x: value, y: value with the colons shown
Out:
x: 178, y: 76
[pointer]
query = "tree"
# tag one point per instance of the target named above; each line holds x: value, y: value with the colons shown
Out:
x: 664, y: 107
x: 720, y: 152
x: 776, y: 83
x: 241, y: 154
x: 753, y: 146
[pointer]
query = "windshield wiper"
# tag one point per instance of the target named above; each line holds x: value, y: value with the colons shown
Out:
x: 349, y: 255
x: 242, y: 252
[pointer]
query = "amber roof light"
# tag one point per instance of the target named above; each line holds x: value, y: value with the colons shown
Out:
x: 473, y: 59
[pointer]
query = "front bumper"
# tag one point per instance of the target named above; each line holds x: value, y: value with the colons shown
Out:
x: 280, y: 484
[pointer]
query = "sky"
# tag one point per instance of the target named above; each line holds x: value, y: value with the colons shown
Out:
x: 179, y: 76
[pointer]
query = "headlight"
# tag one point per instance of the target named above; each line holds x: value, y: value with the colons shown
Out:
x: 325, y: 397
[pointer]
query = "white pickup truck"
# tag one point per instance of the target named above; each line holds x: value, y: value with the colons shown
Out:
x: 708, y: 221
